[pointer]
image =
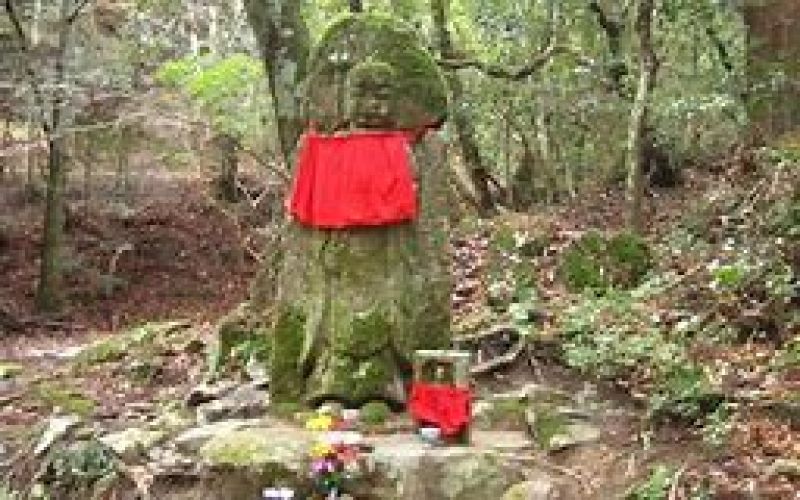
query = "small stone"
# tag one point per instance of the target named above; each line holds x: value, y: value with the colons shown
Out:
x: 541, y: 488
x: 193, y: 439
x: 204, y: 393
x: 243, y: 402
x: 132, y: 443
x: 574, y: 434
x: 786, y: 467
x: 57, y: 428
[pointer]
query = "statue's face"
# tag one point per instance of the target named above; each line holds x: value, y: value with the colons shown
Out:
x: 370, y: 104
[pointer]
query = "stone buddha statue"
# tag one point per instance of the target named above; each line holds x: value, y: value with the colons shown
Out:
x: 369, y: 96
x: 353, y: 304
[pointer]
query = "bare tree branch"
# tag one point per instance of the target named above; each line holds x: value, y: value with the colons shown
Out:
x: 515, y: 74
x: 12, y: 15
x: 31, y: 74
x: 500, y: 72
x: 76, y: 12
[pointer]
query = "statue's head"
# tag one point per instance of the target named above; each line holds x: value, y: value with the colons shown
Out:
x: 370, y: 87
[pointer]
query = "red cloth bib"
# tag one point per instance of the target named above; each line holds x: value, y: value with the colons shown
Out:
x: 360, y: 179
x: 444, y: 406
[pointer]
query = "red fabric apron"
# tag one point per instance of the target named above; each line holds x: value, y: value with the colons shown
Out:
x: 359, y: 179
x: 444, y: 406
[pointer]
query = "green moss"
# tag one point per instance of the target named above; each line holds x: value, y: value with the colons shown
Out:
x: 375, y: 413
x: 287, y: 347
x: 103, y: 351
x: 286, y: 409
x: 507, y: 413
x: 547, y: 425
x: 630, y: 258
x: 359, y: 381
x: 237, y: 449
x: 367, y: 335
x: 239, y: 339
x: 69, y: 399
x: 262, y: 448
x: 420, y: 93
x: 146, y: 339
x: 9, y: 370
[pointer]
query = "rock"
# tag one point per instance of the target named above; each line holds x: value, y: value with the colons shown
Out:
x: 413, y: 471
x: 560, y: 428
x: 574, y: 434
x: 276, y: 447
x: 243, y: 402
x: 204, y: 393
x: 193, y: 439
x: 543, y: 487
x: 132, y: 443
x: 57, y: 428
x: 786, y: 467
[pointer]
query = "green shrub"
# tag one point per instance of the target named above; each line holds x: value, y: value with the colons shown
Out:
x: 77, y: 471
x: 630, y: 259
x: 656, y: 487
x: 683, y: 391
x: 596, y: 263
x: 582, y: 266
x: 375, y: 413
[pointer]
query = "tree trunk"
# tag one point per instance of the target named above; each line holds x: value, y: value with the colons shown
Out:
x: 648, y: 67
x: 283, y: 40
x: 523, y: 185
x: 5, y: 147
x: 773, y: 48
x: 356, y: 6
x: 465, y: 128
x: 225, y: 181
x: 49, y: 293
x: 545, y: 153
x: 123, y: 185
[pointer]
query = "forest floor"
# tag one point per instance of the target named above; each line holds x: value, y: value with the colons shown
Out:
x: 180, y: 258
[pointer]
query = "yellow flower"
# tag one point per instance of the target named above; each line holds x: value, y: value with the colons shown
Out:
x: 320, y: 423
x: 320, y: 450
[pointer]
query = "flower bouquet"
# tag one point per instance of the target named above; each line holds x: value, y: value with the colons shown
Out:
x: 334, y: 455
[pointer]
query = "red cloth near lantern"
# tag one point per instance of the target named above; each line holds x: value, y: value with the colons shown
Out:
x: 444, y: 406
x: 358, y: 179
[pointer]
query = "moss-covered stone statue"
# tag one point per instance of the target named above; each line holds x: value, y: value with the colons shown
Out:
x: 351, y: 305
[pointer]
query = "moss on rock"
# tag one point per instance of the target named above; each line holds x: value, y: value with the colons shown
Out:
x: 287, y: 346
x: 420, y: 95
x: 55, y: 395
x: 9, y: 370
x: 367, y: 334
x: 280, y: 450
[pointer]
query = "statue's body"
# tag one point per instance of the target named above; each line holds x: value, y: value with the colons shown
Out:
x: 353, y: 304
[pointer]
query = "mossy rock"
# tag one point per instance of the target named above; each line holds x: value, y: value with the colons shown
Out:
x: 9, y: 370
x: 56, y: 395
x: 420, y: 93
x: 598, y: 263
x: 104, y: 351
